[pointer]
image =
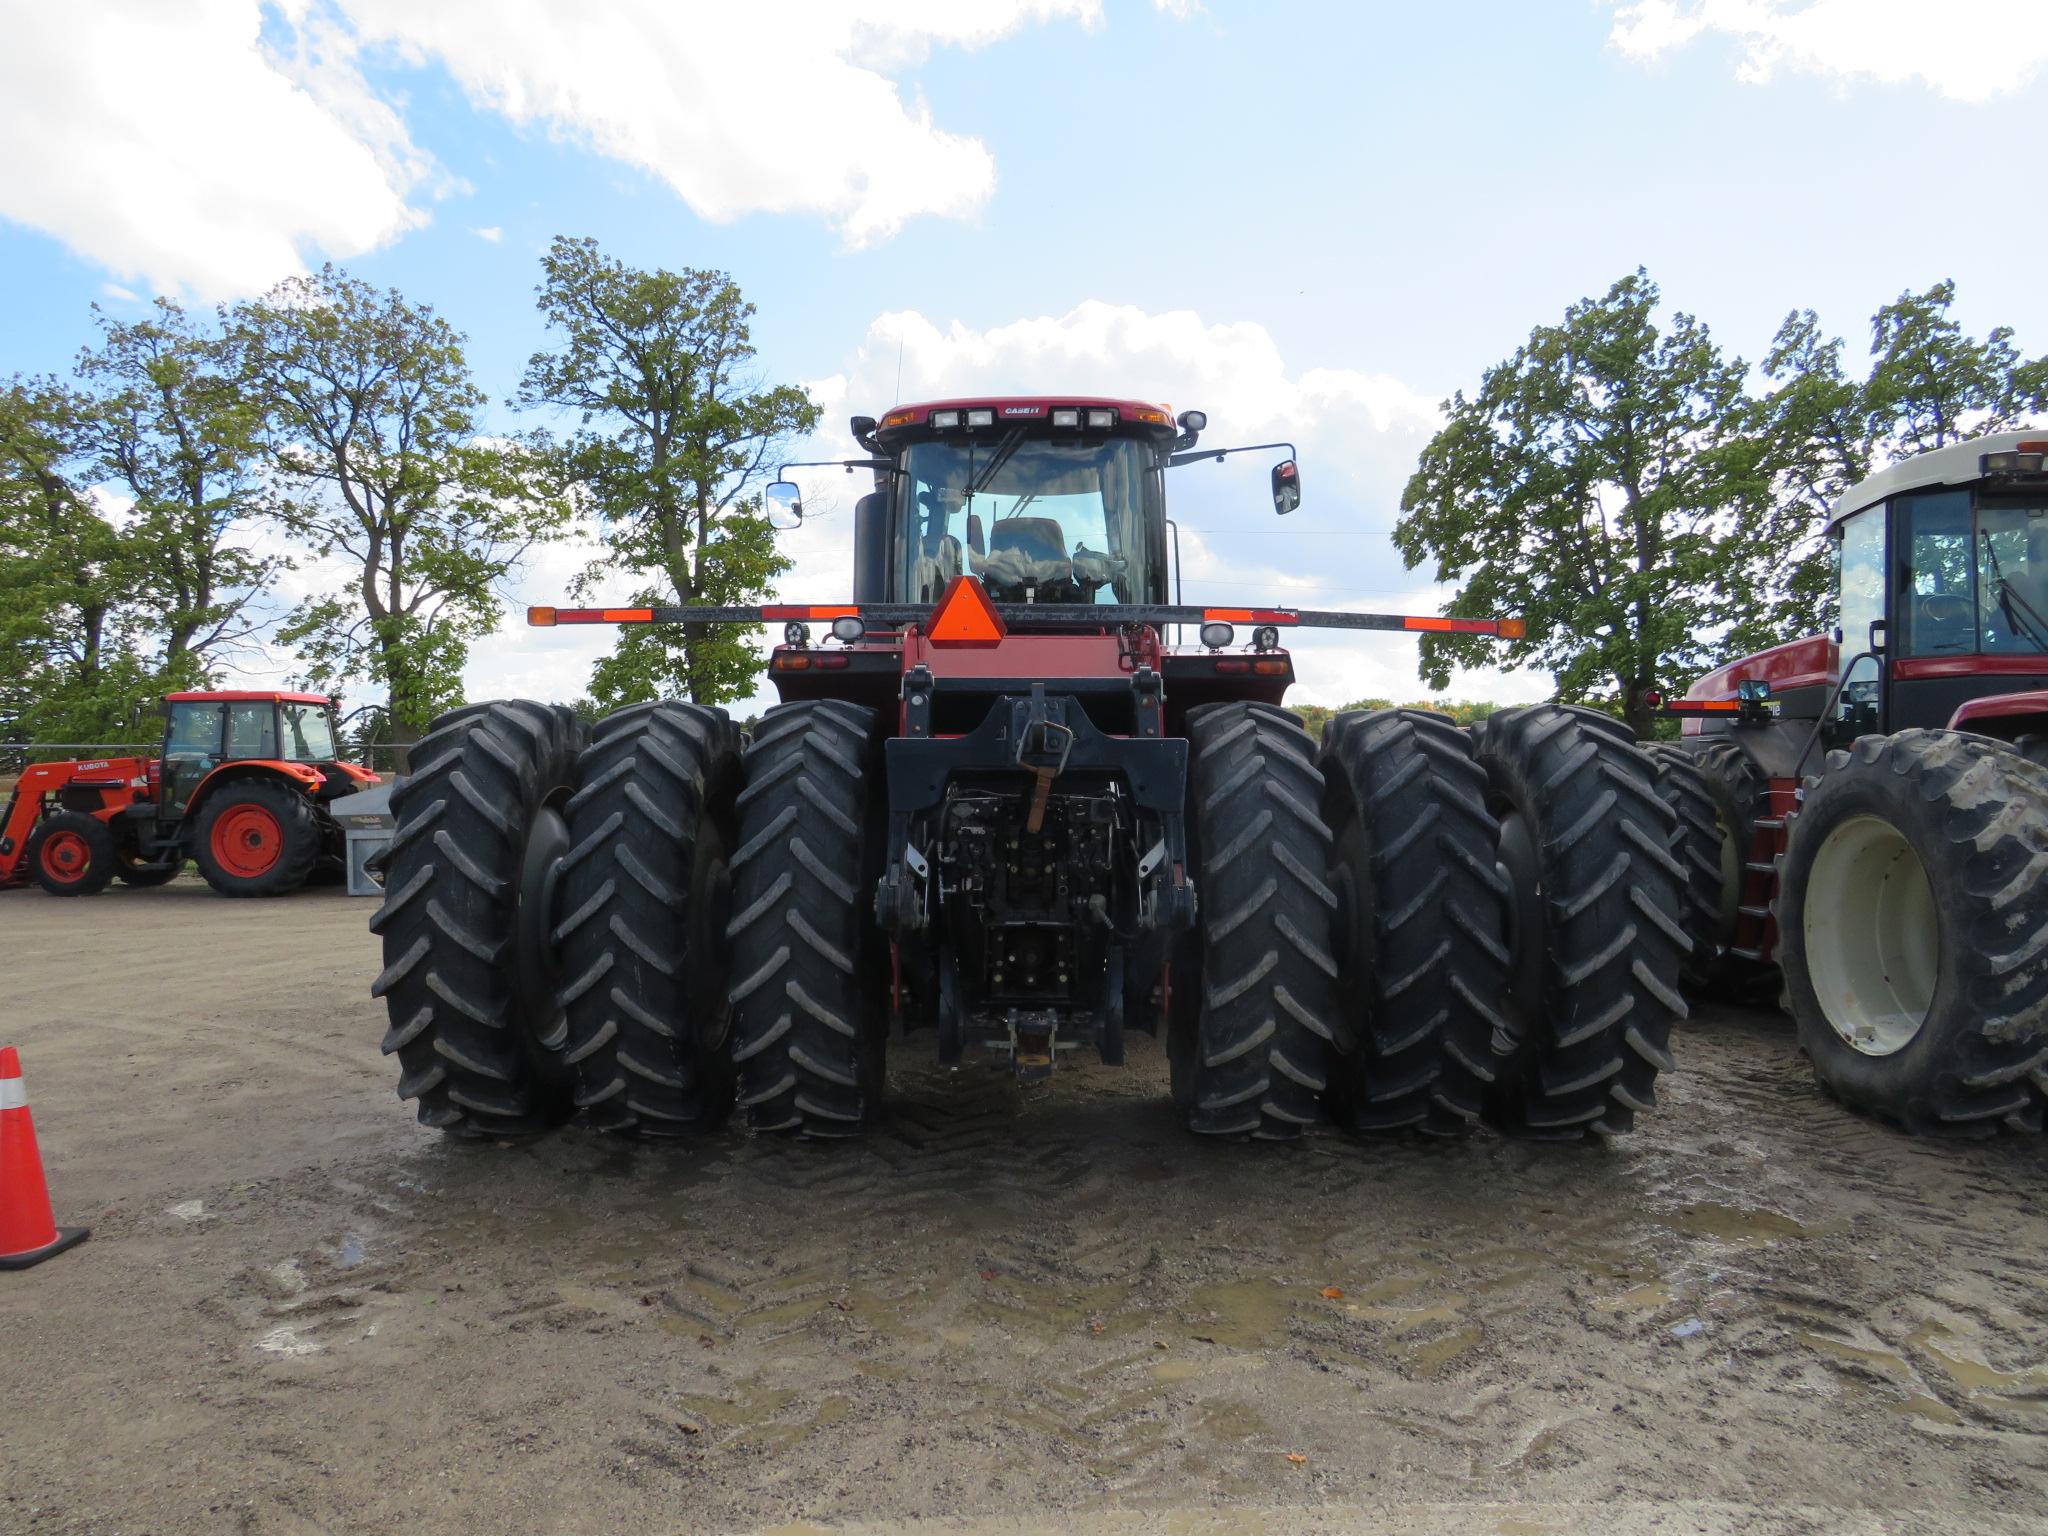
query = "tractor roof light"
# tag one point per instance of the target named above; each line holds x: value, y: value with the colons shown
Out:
x: 1216, y: 634
x: 1066, y: 416
x: 796, y: 633
x: 945, y: 419
x: 2029, y: 458
x: 985, y: 417
x: 1266, y: 638
x: 1101, y: 420
x: 848, y: 629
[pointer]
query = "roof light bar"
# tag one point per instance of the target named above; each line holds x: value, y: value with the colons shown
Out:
x: 1066, y: 416
x: 1100, y: 419
x: 986, y: 417
x: 945, y: 419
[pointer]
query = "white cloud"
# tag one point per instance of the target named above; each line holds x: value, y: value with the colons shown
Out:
x: 1358, y: 434
x: 782, y: 107
x: 167, y: 144
x: 1970, y: 50
x: 490, y: 233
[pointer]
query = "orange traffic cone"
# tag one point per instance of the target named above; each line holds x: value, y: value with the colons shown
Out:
x: 29, y: 1234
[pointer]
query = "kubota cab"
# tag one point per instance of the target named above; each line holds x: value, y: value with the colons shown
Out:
x: 241, y: 788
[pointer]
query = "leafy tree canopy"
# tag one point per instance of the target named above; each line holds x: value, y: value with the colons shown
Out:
x: 675, y: 429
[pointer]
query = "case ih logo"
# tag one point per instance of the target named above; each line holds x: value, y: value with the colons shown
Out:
x: 1023, y: 410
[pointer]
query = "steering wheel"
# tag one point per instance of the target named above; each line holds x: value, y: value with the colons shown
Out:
x: 1945, y: 610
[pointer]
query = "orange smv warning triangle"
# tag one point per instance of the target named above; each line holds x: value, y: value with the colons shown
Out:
x: 965, y: 617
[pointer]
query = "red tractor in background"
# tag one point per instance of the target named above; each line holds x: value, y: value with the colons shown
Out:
x: 1869, y: 811
x: 242, y: 789
x: 998, y: 809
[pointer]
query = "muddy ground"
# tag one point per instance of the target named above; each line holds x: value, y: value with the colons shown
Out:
x: 1010, y: 1310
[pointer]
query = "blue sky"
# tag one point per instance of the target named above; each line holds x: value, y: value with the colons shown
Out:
x: 1310, y: 220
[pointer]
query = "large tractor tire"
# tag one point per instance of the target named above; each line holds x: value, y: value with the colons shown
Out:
x: 1256, y: 1023
x: 645, y: 895
x: 1707, y: 847
x: 71, y: 854
x: 1913, y: 922
x: 808, y: 994
x: 1596, y: 923
x: 256, y: 837
x: 1422, y: 912
x: 469, y: 976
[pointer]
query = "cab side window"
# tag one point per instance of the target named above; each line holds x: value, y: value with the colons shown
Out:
x: 252, y: 730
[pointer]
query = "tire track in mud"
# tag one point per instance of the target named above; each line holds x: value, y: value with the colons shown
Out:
x: 1056, y: 1290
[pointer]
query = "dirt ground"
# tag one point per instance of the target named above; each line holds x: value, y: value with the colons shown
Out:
x: 1010, y: 1310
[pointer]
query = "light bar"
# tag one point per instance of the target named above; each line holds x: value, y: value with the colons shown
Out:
x: 1030, y: 616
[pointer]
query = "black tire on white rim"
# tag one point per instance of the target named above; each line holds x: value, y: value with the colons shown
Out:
x: 1913, y: 917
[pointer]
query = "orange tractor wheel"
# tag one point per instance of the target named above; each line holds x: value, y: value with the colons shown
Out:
x: 256, y: 839
x: 71, y: 854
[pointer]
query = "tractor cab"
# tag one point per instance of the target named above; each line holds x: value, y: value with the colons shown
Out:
x: 1941, y: 566
x: 1942, y: 570
x: 1043, y: 500
x: 205, y: 732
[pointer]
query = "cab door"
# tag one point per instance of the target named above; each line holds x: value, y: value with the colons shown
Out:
x: 192, y: 749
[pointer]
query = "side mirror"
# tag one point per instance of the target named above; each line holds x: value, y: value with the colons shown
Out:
x: 1286, y: 487
x: 785, y: 505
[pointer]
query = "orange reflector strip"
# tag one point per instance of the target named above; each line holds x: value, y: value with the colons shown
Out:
x: 541, y: 618
x: 965, y: 616
x: 2033, y: 445
x: 1507, y: 629
x: 812, y: 611
x: 596, y: 615
x: 1249, y: 616
x: 1704, y: 706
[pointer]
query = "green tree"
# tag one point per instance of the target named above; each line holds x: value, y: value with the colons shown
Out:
x: 71, y: 635
x: 378, y: 460
x: 173, y: 426
x: 674, y: 430
x: 1608, y: 484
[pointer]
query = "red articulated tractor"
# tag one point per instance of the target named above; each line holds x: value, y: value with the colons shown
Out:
x: 997, y: 809
x: 1869, y: 811
x: 241, y: 789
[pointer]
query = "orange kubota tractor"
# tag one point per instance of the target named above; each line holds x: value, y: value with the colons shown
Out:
x: 241, y: 788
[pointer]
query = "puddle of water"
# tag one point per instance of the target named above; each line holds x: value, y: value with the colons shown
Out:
x: 1408, y: 1319
x: 1884, y: 1362
x: 1176, y: 1370
x: 1732, y: 1225
x: 1438, y: 1353
x: 1241, y: 1314
x: 1651, y: 1297
x: 1975, y: 1375
x: 1921, y: 1406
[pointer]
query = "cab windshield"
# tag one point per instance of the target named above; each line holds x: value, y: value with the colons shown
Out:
x: 1975, y: 577
x: 1037, y: 521
x: 308, y: 734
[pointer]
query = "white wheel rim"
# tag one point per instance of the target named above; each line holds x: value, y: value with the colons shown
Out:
x: 1871, y: 949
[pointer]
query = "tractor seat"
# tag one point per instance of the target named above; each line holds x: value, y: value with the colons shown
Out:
x: 1026, y: 552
